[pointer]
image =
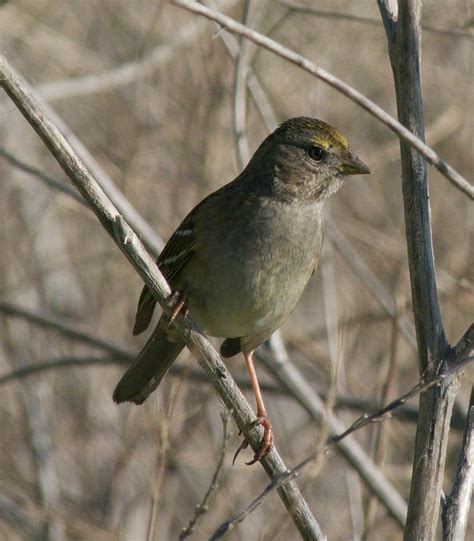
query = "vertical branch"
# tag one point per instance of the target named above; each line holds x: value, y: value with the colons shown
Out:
x: 456, y: 507
x: 404, y: 43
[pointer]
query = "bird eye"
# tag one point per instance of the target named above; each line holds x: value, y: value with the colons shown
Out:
x: 316, y: 153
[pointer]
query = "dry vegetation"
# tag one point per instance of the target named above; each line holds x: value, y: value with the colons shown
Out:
x: 73, y: 465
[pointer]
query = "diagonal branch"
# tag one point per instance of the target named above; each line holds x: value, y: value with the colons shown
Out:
x: 423, y: 385
x: 135, y: 252
x: 49, y: 181
x: 284, y: 52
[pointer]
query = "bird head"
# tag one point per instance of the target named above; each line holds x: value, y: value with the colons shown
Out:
x: 308, y: 159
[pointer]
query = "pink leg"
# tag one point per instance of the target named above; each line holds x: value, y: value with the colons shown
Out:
x: 262, y: 418
x: 179, y: 297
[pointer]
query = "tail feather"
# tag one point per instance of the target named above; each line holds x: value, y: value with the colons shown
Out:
x: 148, y: 369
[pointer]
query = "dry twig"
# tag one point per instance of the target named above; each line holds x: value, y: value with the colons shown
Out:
x: 378, y: 416
x: 203, y: 507
x: 284, y: 52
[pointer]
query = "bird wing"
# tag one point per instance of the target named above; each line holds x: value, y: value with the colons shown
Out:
x: 177, y: 252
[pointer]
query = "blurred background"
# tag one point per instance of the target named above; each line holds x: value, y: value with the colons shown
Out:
x: 149, y: 90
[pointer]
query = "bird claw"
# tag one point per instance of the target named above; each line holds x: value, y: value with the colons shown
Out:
x: 242, y: 446
x: 266, y: 444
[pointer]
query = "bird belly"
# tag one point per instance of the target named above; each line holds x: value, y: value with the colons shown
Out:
x: 241, y: 300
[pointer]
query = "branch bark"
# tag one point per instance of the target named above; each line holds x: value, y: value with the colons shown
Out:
x: 133, y: 249
x: 456, y: 505
x: 402, y: 27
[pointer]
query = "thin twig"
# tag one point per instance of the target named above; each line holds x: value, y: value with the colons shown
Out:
x: 405, y: 413
x: 372, y: 21
x: 254, y: 12
x: 361, y: 422
x: 67, y: 329
x: 293, y: 381
x: 49, y: 181
x: 152, y: 241
x: 284, y: 52
x: 162, y: 447
x: 380, y: 444
x: 255, y: 88
x: 129, y: 72
x: 367, y: 277
x: 203, y: 507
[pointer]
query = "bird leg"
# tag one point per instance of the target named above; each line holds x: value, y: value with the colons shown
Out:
x: 178, y: 304
x: 262, y: 419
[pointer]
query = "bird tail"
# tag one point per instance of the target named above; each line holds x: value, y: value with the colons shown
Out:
x: 148, y: 369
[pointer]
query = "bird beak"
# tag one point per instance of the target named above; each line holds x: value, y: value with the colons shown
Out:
x: 353, y: 166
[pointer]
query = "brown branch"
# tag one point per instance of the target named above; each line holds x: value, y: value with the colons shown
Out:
x: 107, y: 185
x: 53, y: 364
x: 133, y: 249
x: 405, y: 413
x: 422, y: 386
x: 381, y: 436
x: 50, y: 322
x: 284, y: 52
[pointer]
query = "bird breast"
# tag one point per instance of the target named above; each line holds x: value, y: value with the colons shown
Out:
x: 246, y: 280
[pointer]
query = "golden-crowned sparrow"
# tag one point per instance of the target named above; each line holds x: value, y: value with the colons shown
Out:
x: 241, y: 258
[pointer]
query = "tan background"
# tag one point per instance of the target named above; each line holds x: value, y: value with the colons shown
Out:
x: 165, y: 137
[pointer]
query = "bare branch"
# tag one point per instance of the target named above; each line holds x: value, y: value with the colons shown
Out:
x: 49, y: 181
x: 149, y: 237
x: 45, y: 320
x: 284, y: 52
x: 255, y: 88
x: 129, y: 72
x: 203, y: 507
x: 293, y: 381
x: 255, y: 10
x: 63, y: 362
x: 372, y: 21
x: 404, y: 43
x: 381, y: 437
x: 364, y: 420
x: 456, y: 505
x: 367, y: 277
x: 135, y: 252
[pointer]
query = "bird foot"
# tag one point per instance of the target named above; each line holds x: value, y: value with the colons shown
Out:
x: 178, y: 306
x: 266, y: 444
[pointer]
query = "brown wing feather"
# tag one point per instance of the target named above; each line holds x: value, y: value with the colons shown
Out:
x: 177, y: 252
